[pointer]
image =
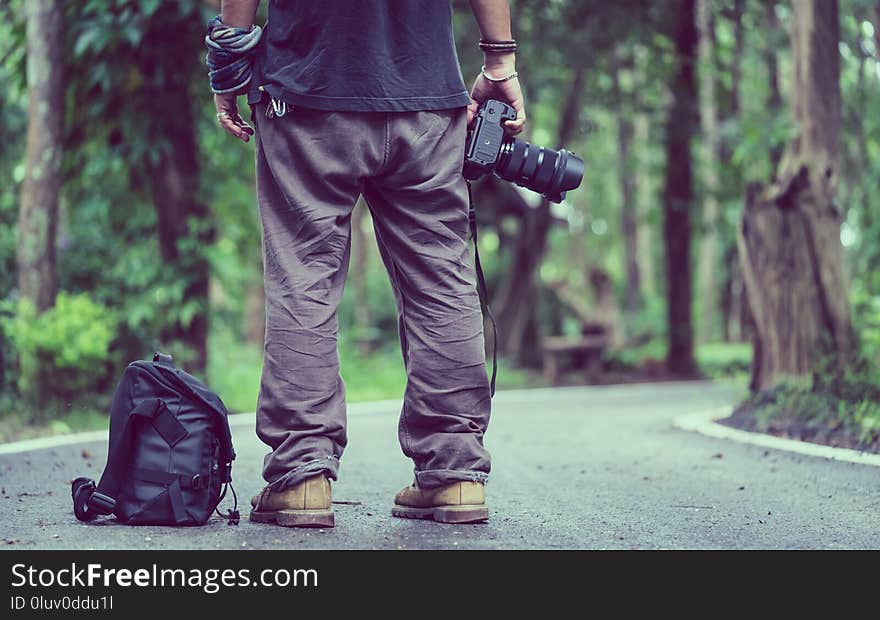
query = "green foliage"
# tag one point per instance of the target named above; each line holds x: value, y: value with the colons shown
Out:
x: 866, y: 309
x: 818, y: 411
x: 724, y: 359
x: 130, y: 63
x: 64, y: 351
x: 843, y: 394
x: 18, y: 422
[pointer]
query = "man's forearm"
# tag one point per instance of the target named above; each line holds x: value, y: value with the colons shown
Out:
x: 238, y: 13
x: 493, y: 18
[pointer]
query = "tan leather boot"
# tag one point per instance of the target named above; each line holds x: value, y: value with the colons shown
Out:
x: 459, y: 502
x: 307, y: 504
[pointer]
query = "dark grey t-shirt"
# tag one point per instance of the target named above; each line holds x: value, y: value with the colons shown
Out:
x: 360, y: 55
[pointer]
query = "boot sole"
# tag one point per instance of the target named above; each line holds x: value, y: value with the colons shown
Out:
x: 468, y: 513
x: 295, y: 518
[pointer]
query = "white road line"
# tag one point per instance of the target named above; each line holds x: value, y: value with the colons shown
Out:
x: 235, y: 420
x: 705, y: 423
x: 393, y: 407
x: 41, y: 443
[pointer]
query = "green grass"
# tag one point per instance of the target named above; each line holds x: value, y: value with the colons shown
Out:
x: 632, y: 357
x: 234, y: 372
x: 724, y: 359
x: 715, y: 359
x: 16, y: 424
x: 812, y: 412
x: 840, y: 402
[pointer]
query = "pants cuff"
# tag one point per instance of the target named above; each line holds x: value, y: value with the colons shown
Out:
x: 328, y: 464
x: 433, y: 478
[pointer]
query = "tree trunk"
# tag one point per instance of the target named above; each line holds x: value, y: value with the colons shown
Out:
x: 734, y: 306
x: 709, y: 266
x: 739, y: 8
x: 646, y: 204
x: 255, y: 310
x: 38, y: 212
x: 627, y: 179
x: 607, y: 311
x: 877, y: 29
x: 774, y: 100
x: 181, y: 215
x: 860, y: 170
x: 517, y: 291
x: 681, y: 126
x: 184, y: 224
x: 733, y: 297
x: 789, y: 235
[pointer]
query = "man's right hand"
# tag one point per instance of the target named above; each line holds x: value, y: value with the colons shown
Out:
x: 508, y: 92
x: 229, y: 119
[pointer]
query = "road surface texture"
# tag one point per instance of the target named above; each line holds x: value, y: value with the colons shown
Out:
x: 574, y: 468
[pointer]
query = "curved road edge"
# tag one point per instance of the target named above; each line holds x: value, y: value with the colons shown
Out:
x: 706, y: 423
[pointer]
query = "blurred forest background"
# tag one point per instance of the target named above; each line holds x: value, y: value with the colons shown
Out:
x: 727, y: 224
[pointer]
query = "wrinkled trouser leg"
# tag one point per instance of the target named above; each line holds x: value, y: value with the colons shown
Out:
x: 311, y: 167
x: 420, y: 214
x: 307, y: 185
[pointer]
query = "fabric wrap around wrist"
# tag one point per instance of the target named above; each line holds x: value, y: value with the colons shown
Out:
x: 230, y: 56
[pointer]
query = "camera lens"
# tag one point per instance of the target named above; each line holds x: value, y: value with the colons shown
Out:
x: 540, y: 169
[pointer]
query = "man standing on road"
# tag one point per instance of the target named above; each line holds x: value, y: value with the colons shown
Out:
x: 350, y: 99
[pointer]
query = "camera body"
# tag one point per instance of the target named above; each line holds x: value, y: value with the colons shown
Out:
x: 486, y: 138
x: 488, y: 150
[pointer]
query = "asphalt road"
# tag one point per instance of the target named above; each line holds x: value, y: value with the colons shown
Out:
x: 576, y: 468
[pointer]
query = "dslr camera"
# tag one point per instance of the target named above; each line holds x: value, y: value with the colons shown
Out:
x: 546, y: 171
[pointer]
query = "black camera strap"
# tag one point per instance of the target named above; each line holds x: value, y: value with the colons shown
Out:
x: 482, y: 290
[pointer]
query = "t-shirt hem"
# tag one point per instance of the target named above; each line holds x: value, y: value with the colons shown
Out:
x: 365, y: 104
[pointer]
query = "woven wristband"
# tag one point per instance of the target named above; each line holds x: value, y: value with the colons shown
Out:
x: 498, y: 46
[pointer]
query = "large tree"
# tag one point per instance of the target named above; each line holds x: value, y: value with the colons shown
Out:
x: 627, y: 178
x: 709, y: 264
x: 789, y: 237
x: 38, y: 212
x: 772, y: 43
x: 733, y: 301
x: 682, y: 123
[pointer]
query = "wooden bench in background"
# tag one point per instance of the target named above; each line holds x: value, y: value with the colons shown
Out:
x: 588, y: 348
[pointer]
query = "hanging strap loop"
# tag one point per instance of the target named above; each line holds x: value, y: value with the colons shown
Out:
x: 482, y: 289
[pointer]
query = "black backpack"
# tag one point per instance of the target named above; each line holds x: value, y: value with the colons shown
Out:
x: 170, y: 454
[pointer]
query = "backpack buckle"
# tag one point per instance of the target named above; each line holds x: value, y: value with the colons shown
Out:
x: 199, y: 481
x: 224, y: 471
x: 102, y: 504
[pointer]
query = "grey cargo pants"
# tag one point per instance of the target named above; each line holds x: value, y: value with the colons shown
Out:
x: 311, y: 168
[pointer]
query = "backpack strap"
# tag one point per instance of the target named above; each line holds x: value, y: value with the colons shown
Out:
x: 199, y: 392
x: 103, y: 499
x: 174, y: 483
